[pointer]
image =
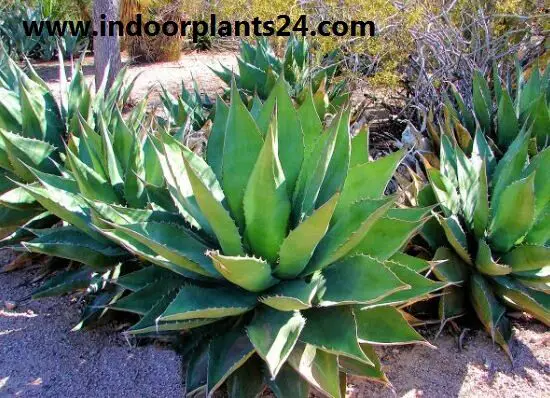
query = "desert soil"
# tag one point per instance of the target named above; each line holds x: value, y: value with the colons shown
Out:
x: 41, y: 357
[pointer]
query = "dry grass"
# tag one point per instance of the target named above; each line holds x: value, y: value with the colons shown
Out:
x: 159, y: 48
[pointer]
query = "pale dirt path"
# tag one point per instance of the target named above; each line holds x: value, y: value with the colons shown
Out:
x: 480, y: 369
x: 170, y: 74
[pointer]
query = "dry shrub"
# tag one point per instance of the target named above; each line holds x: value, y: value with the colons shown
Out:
x: 457, y: 39
x: 159, y: 48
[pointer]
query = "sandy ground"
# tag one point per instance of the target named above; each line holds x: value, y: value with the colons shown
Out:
x: 171, y: 74
x: 40, y: 357
x: 478, y: 370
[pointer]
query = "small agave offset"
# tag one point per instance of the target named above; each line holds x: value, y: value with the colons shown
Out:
x: 278, y: 257
x: 260, y: 68
x: 188, y: 105
x: 492, y: 235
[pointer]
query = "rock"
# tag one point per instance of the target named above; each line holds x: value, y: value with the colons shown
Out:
x: 10, y: 305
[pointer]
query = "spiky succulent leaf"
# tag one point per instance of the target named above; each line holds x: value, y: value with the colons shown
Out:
x: 385, y: 325
x: 250, y: 273
x: 243, y: 143
x: 292, y: 295
x: 267, y: 204
x: 226, y: 353
x: 289, y: 136
x: 298, y: 247
x: 489, y: 311
x: 345, y: 281
x: 72, y: 244
x: 64, y: 282
x: 318, y: 367
x: 513, y: 214
x: 197, y: 302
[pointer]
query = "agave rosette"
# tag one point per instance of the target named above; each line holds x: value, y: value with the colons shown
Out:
x: 279, y: 256
x: 492, y: 235
x: 500, y: 113
x: 260, y: 68
x: 118, y: 165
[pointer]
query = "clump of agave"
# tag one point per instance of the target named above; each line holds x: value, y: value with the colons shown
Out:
x: 116, y: 165
x: 499, y: 113
x: 492, y: 235
x: 31, y: 133
x: 33, y: 128
x: 260, y: 68
x: 278, y: 257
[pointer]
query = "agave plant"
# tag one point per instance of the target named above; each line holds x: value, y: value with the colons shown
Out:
x: 492, y: 235
x: 278, y: 262
x: 188, y: 105
x: 12, y: 33
x: 114, y: 165
x: 43, y: 46
x: 500, y: 114
x: 31, y: 132
x: 260, y: 68
x: 33, y: 128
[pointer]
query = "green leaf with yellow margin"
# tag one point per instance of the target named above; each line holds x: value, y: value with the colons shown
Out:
x: 318, y: 367
x: 361, y: 369
x: 347, y: 232
x: 242, y: 145
x: 358, y: 279
x: 527, y: 258
x: 378, y: 173
x: 250, y: 273
x: 218, y: 217
x: 517, y: 296
x: 385, y: 325
x: 290, y: 138
x: 266, y: 201
x: 198, y: 302
x: 298, y: 247
x: 173, y: 243
x: 227, y: 352
x: 490, y: 312
x: 513, y: 214
x: 296, y: 294
x: 455, y: 236
x: 485, y: 263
